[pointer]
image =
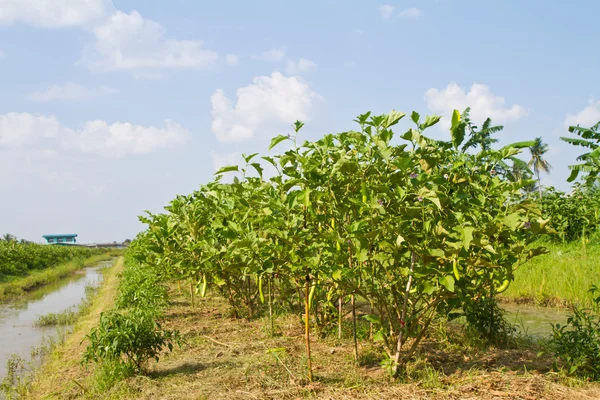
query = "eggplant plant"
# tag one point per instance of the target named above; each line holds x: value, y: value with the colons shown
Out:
x: 416, y: 228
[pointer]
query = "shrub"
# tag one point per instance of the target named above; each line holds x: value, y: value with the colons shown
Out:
x: 577, y: 343
x: 129, y: 338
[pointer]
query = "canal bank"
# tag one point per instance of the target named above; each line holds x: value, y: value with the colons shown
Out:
x: 55, y: 368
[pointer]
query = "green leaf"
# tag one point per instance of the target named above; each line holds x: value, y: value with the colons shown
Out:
x: 276, y: 140
x: 448, y: 282
x: 250, y: 157
x: 379, y: 336
x: 231, y: 168
x: 457, y: 129
x: 415, y: 117
x: 270, y: 160
x: 399, y: 240
x: 437, y: 253
x: 393, y: 118
x: 258, y: 168
x: 455, y: 119
x: 428, y: 288
x: 467, y: 236
x: 430, y: 120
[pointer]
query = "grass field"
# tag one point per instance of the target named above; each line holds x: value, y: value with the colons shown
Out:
x: 19, y: 286
x: 561, y: 277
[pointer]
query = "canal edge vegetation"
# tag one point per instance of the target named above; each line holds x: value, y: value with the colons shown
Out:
x: 21, y: 285
x: 57, y: 373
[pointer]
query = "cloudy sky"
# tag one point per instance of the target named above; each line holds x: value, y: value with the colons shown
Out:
x: 109, y: 108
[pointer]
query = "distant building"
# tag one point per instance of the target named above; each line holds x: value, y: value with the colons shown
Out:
x: 60, y: 239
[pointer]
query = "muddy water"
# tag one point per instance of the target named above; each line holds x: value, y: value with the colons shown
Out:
x: 535, y: 321
x: 17, y: 333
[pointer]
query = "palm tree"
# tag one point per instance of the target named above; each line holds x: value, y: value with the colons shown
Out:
x: 7, y: 237
x: 538, y: 149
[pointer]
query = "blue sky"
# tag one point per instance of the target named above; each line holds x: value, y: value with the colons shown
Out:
x: 111, y: 108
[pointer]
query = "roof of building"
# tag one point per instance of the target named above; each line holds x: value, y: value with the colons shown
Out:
x: 70, y: 235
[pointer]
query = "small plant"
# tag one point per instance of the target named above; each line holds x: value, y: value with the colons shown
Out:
x: 16, y: 383
x: 577, y: 343
x: 66, y: 317
x: 487, y: 321
x: 130, y: 338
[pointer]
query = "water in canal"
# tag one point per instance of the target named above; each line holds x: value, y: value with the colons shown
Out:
x: 18, y: 335
x: 535, y: 321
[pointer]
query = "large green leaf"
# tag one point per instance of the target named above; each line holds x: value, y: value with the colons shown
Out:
x: 277, y: 139
x: 231, y: 168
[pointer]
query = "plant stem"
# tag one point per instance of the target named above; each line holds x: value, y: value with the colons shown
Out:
x: 307, y: 326
x: 271, y: 305
x: 353, y: 300
x: 403, y: 326
x: 340, y: 302
x: 192, y: 293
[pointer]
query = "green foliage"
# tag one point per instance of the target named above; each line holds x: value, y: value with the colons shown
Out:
x: 487, y: 320
x: 590, y: 139
x: 133, y: 337
x: 577, y: 343
x: 66, y: 317
x: 19, y: 259
x: 572, y: 215
x: 140, y: 287
x: 420, y: 229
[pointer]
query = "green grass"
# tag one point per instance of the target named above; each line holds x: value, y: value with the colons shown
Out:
x: 66, y: 317
x: 561, y: 277
x: 20, y: 286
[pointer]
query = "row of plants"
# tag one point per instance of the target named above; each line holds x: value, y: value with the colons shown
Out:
x: 19, y: 259
x: 130, y: 335
x: 574, y: 215
x: 416, y: 228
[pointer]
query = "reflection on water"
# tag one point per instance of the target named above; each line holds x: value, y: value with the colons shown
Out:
x: 17, y: 333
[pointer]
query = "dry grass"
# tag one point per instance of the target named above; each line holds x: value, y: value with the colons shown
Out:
x: 62, y: 374
x: 223, y: 358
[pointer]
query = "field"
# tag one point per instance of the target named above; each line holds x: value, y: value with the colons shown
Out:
x: 559, y: 278
x: 362, y: 269
x: 222, y: 357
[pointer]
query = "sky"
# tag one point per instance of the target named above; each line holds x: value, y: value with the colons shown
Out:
x: 109, y: 108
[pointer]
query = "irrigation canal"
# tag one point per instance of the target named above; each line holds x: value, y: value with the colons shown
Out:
x: 19, y: 336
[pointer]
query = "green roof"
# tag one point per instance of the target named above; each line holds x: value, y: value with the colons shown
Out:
x: 70, y: 235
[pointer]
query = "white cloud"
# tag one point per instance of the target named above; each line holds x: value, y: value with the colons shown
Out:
x: 274, y: 99
x: 410, y: 13
x: 17, y: 129
x: 480, y: 98
x: 53, y: 13
x: 121, y: 139
x: 587, y: 117
x: 129, y: 42
x: 386, y: 11
x: 273, y: 55
x: 97, y: 137
x: 300, y: 66
x: 232, y: 59
x: 69, y: 91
